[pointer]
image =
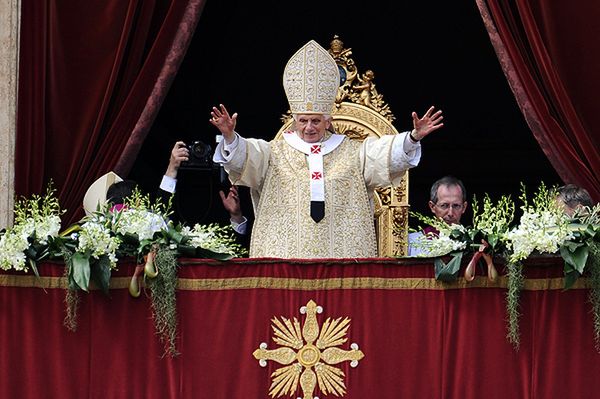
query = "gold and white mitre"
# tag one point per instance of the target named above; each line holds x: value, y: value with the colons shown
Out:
x: 311, y: 79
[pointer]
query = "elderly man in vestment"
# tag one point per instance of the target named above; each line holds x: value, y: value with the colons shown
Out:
x: 312, y: 190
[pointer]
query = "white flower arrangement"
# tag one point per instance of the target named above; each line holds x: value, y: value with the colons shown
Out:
x: 431, y: 245
x: 97, y: 240
x: 542, y: 228
x: 37, y: 221
x: 13, y: 245
x: 139, y: 221
x: 213, y: 237
x: 543, y: 231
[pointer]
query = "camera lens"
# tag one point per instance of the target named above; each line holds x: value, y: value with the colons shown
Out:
x: 199, y: 149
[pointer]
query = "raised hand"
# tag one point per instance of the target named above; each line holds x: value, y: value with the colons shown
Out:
x: 430, y: 122
x: 231, y: 202
x: 179, y: 153
x: 226, y: 124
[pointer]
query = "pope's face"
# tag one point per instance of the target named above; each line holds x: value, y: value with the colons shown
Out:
x: 311, y: 127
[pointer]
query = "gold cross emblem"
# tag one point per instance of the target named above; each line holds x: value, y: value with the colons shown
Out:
x: 308, y: 354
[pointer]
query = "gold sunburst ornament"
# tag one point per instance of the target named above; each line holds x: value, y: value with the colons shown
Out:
x: 308, y: 354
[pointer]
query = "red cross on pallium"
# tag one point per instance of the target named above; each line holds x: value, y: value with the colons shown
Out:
x: 316, y: 175
x: 315, y: 149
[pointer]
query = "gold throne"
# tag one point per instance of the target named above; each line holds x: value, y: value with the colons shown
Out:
x: 360, y: 112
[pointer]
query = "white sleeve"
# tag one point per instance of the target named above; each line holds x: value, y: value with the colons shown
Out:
x: 232, y: 155
x: 240, y: 228
x: 405, y: 154
x: 168, y: 184
x: 385, y: 159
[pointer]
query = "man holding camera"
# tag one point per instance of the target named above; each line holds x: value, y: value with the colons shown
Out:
x: 181, y: 153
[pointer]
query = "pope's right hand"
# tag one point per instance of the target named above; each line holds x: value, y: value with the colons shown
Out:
x: 221, y: 119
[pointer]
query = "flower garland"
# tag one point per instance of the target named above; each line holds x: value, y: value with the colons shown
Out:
x: 141, y: 228
x: 91, y: 249
x: 543, y: 228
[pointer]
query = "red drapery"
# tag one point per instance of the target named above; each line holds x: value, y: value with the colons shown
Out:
x: 92, y: 77
x: 421, y: 338
x: 550, y: 53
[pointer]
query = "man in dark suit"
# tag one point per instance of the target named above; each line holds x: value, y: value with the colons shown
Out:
x: 231, y: 201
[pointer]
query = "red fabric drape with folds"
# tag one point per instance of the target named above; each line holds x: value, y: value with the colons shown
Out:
x: 550, y: 53
x: 421, y: 338
x: 93, y: 75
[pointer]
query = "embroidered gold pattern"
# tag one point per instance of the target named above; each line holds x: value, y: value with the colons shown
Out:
x: 348, y: 229
x: 314, y: 360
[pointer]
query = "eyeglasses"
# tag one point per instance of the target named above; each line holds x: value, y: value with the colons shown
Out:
x: 445, y: 207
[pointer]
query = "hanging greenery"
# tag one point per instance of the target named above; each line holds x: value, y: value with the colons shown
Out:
x: 515, y: 282
x: 594, y: 266
x: 163, y: 295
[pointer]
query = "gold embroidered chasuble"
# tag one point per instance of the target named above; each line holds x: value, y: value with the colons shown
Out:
x: 278, y: 176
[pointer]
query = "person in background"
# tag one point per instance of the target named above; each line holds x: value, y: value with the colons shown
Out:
x: 231, y: 200
x: 118, y: 191
x: 447, y: 202
x: 448, y: 199
x: 573, y: 198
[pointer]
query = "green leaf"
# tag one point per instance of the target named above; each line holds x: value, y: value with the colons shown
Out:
x: 81, y: 270
x: 448, y: 272
x: 208, y: 254
x: 130, y: 239
x: 570, y: 278
x: 100, y: 273
x: 581, y: 256
x: 176, y: 236
x: 33, y: 265
x: 472, y: 233
x: 187, y: 251
x: 572, y: 245
x: 575, y: 255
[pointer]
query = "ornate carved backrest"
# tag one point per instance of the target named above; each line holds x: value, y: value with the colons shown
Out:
x: 360, y: 112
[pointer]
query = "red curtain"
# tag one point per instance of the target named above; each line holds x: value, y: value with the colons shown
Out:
x: 421, y: 338
x: 92, y: 77
x: 550, y: 53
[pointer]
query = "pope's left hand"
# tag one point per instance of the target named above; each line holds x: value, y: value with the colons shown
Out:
x: 430, y: 122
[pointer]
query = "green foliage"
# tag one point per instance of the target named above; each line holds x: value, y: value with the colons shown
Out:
x: 37, y: 206
x: 448, y: 272
x: 515, y: 284
x: 163, y: 295
x: 491, y: 222
x: 594, y: 296
x: 80, y: 271
x: 576, y: 252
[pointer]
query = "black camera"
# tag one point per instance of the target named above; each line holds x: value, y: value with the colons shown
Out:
x: 200, y: 157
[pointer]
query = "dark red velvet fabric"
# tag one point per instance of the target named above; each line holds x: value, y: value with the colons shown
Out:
x: 550, y: 54
x: 421, y: 338
x: 92, y: 76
